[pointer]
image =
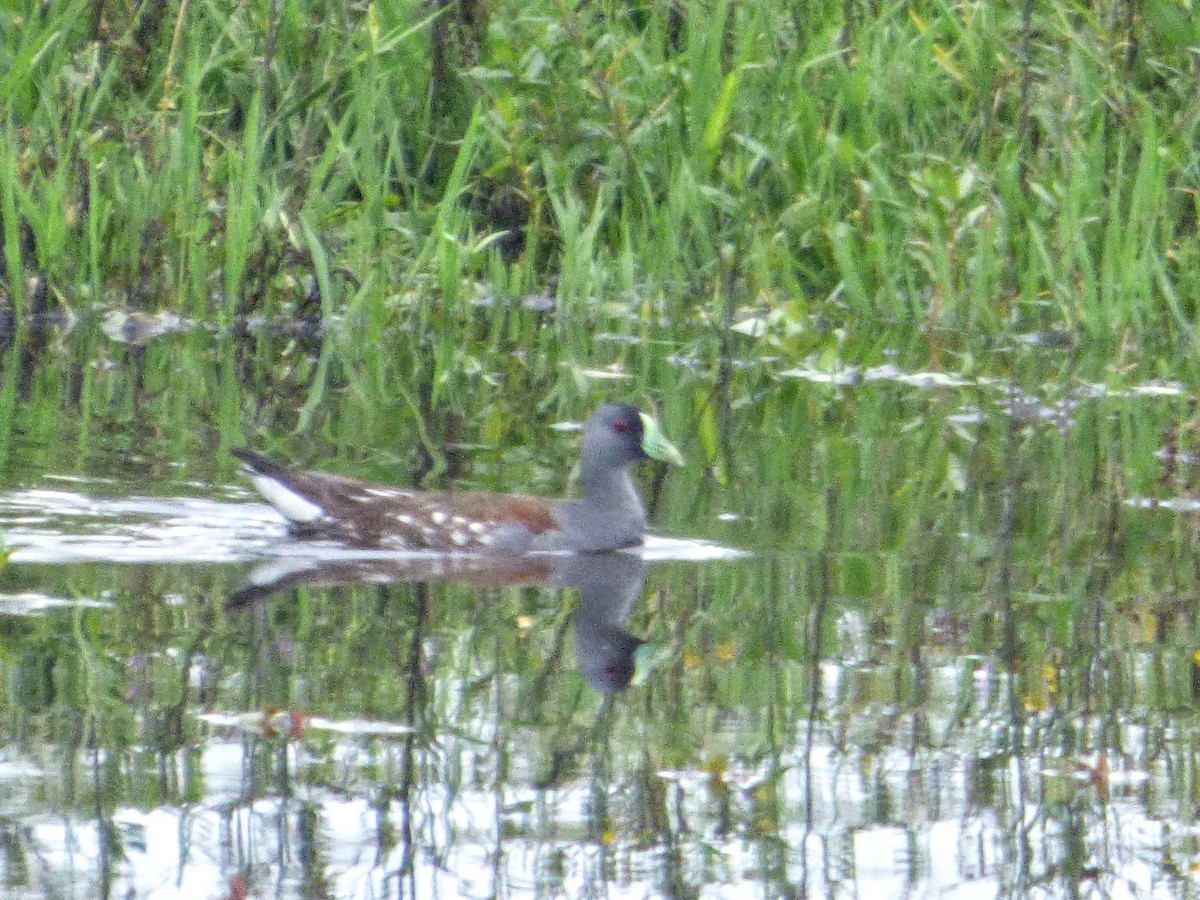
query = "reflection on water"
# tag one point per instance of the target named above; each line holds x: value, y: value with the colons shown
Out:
x: 608, y: 585
x: 962, y: 662
x: 348, y: 731
x: 783, y: 769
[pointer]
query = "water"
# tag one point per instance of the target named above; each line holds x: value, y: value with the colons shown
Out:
x: 904, y: 631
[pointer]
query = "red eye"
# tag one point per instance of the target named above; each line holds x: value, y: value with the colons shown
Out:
x: 621, y: 426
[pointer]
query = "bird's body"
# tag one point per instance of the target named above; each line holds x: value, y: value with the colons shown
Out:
x: 609, y: 516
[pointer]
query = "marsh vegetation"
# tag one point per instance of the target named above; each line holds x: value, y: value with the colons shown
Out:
x: 912, y: 286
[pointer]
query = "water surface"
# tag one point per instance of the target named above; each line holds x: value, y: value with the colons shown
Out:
x: 957, y: 657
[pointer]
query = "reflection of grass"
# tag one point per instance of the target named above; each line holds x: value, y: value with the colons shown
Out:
x: 870, y: 637
x: 407, y: 180
x: 932, y: 162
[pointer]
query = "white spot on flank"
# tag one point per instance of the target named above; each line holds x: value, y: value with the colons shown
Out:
x: 439, y: 518
x: 477, y: 527
x: 292, y: 505
x: 381, y: 492
x: 459, y: 538
x: 404, y: 519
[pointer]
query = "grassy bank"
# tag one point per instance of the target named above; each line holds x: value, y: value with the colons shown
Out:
x: 983, y: 165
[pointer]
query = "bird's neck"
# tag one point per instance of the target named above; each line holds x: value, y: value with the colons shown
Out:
x: 610, y: 488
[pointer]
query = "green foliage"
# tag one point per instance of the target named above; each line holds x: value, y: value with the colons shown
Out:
x: 922, y: 163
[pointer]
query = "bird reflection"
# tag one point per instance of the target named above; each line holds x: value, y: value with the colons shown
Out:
x: 608, y: 584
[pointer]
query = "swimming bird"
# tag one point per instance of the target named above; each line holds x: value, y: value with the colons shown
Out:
x: 609, y: 515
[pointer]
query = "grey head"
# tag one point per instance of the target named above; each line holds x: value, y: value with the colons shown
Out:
x: 612, y: 440
x: 610, y: 514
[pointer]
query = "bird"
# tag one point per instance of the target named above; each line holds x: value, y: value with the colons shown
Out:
x: 609, y: 515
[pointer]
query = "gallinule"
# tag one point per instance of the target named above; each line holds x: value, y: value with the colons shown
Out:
x: 609, y: 515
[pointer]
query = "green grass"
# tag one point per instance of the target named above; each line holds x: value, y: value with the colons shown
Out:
x: 909, y: 165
